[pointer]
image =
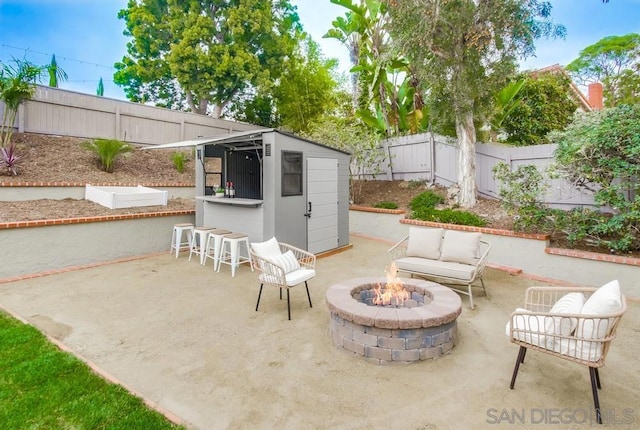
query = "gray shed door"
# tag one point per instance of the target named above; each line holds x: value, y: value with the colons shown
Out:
x: 322, y: 204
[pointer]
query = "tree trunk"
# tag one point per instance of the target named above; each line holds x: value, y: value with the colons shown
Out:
x: 466, y: 133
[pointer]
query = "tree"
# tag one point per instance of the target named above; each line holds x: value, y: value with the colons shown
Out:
x: 545, y: 105
x: 100, y: 89
x: 203, y: 54
x: 55, y: 72
x: 466, y: 50
x: 614, y: 61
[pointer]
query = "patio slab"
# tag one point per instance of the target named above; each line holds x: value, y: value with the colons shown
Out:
x: 190, y: 340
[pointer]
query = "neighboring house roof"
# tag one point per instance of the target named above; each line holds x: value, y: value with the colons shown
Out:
x: 587, y: 103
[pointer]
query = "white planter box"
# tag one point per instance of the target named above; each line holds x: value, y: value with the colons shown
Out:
x: 125, y: 197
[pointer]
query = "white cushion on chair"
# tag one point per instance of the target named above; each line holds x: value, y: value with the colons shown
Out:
x: 529, y: 323
x: 568, y: 304
x: 298, y: 276
x: 287, y: 261
x: 424, y: 242
x: 268, y: 249
x: 461, y: 247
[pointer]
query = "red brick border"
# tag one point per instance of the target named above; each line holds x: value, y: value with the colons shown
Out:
x: 376, y: 210
x: 99, y: 218
x: 82, y: 184
x: 494, y: 231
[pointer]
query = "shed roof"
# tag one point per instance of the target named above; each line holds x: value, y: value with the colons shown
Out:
x: 239, y: 140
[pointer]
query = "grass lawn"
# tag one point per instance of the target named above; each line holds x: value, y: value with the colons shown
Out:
x: 42, y: 387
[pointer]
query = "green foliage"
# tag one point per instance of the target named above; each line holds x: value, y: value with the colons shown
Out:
x: 346, y: 134
x: 614, y: 61
x: 386, y: 205
x: 45, y: 388
x: 107, y: 150
x: 56, y: 74
x: 466, y: 51
x: 600, y: 152
x: 427, y: 199
x: 545, y: 105
x: 201, y: 55
x: 522, y: 188
x: 179, y: 159
x: 17, y: 84
x: 506, y: 100
x: 100, y: 89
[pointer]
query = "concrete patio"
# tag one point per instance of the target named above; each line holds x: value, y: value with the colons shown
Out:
x: 190, y: 340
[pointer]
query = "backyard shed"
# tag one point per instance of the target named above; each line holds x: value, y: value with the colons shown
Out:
x: 284, y: 186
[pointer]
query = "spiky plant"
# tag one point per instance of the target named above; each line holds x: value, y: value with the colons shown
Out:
x: 107, y: 150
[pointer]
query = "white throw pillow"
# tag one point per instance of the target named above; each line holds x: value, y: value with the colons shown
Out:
x: 267, y: 249
x: 528, y: 328
x: 571, y: 303
x: 287, y: 261
x: 424, y: 242
x: 461, y: 247
x: 604, y: 301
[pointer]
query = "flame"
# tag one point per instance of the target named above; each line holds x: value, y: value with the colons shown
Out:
x: 394, y: 292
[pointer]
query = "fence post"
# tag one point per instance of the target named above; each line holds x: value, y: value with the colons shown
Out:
x: 21, y: 114
x: 117, y: 122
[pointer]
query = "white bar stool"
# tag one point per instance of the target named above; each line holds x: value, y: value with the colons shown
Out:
x: 176, y: 237
x: 232, y: 256
x: 200, y: 236
x: 212, y: 248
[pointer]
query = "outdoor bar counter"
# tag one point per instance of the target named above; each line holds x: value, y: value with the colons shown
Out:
x: 238, y: 215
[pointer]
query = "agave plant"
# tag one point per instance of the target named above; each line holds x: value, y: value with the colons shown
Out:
x: 9, y: 159
x: 107, y: 151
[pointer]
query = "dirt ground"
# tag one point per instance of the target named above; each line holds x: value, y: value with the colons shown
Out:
x: 63, y: 159
x: 190, y: 340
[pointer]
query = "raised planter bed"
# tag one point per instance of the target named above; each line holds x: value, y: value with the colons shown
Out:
x: 125, y: 197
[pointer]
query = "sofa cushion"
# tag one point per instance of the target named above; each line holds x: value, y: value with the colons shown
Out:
x: 436, y: 268
x: 568, y: 304
x: 424, y: 242
x: 461, y: 247
x: 287, y: 261
x: 268, y: 249
x: 531, y: 326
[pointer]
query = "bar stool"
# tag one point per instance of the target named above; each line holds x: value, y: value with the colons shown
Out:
x: 212, y: 248
x: 232, y: 256
x: 200, y: 235
x: 176, y: 237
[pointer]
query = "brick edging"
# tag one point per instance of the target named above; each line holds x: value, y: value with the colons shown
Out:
x: 376, y: 210
x: 63, y: 184
x: 89, y: 219
x: 596, y: 256
x: 486, y: 230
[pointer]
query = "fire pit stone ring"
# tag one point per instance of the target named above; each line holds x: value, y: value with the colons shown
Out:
x: 393, y: 334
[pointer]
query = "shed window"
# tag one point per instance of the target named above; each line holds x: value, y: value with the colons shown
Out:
x: 291, y: 173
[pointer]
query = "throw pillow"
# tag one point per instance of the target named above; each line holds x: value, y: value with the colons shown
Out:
x: 287, y: 261
x: 461, y: 247
x: 267, y: 249
x: 424, y: 242
x: 568, y: 304
x: 604, y: 301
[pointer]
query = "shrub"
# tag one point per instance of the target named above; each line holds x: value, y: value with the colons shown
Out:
x: 427, y: 199
x: 9, y: 158
x: 179, y: 159
x: 107, y: 150
x: 386, y: 205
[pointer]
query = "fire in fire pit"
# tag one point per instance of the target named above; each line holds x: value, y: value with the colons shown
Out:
x: 394, y: 293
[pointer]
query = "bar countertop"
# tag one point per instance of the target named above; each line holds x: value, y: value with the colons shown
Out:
x: 231, y: 202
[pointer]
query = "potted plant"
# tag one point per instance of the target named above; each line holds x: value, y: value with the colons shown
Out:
x: 219, y: 192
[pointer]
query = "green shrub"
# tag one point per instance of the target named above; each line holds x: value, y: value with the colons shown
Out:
x: 427, y: 199
x: 386, y: 205
x: 179, y: 159
x: 107, y: 150
x: 448, y: 216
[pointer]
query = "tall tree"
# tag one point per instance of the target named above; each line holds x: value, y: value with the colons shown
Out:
x: 203, y: 54
x: 614, y: 61
x: 466, y: 50
x: 56, y: 73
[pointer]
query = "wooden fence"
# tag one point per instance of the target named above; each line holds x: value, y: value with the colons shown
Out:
x: 68, y: 113
x: 434, y: 158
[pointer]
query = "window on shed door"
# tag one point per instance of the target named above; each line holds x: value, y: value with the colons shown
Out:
x: 291, y: 173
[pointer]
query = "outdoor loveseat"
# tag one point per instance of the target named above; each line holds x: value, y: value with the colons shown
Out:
x: 449, y: 257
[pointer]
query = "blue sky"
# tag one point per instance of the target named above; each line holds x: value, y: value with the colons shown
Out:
x: 86, y: 35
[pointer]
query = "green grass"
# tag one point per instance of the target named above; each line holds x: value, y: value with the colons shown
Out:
x: 386, y: 205
x: 42, y: 387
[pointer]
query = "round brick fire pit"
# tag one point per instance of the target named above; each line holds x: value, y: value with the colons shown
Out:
x: 424, y: 329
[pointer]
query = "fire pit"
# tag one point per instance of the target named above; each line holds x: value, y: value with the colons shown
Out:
x: 402, y: 320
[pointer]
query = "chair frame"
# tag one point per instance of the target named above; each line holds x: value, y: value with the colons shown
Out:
x: 274, y: 275
x: 538, y: 303
x: 399, y: 250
